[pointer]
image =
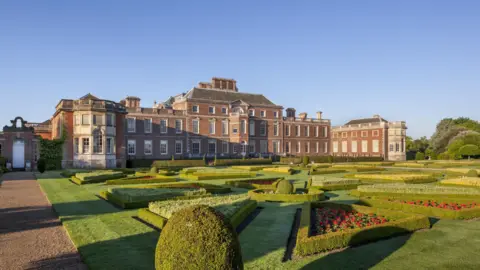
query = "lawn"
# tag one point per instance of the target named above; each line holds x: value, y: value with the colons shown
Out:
x: 109, y: 238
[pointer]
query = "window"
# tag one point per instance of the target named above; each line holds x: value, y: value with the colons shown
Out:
x: 195, y: 108
x: 243, y: 127
x: 364, y: 146
x: 98, y: 120
x: 307, y: 147
x: 354, y: 146
x: 298, y: 147
x: 211, y: 110
x: 110, y: 146
x: 244, y: 146
x: 251, y: 146
x: 375, y: 146
x: 324, y: 132
x: 251, y: 129
x: 225, y: 147
x: 397, y: 147
x: 287, y: 147
x: 263, y: 128
x: 178, y: 126
x: 276, y: 147
x: 263, y: 113
x: 344, y: 147
x: 163, y: 147
x: 211, y: 126
x: 335, y: 135
x: 307, y: 130
x: 224, y: 110
x: 225, y: 127
x: 85, y: 145
x: 364, y: 134
x: 110, y: 120
x: 75, y: 146
x: 147, y: 147
x: 163, y: 125
x: 235, y: 148
x: 131, y: 124
x: 178, y: 147
x: 212, y: 147
x: 344, y: 134
x: 195, y: 126
x: 263, y: 146
x: 234, y: 130
x: 316, y: 132
x: 375, y: 133
x: 196, y: 147
x: 97, y: 142
x: 275, y: 129
x: 354, y: 134
x: 317, y: 145
x: 85, y: 119
x: 131, y: 147
x: 78, y: 120
x: 251, y: 112
x: 147, y: 125
x: 335, y: 147
x: 275, y: 114
x: 287, y: 130
x: 297, y: 131
x: 325, y: 147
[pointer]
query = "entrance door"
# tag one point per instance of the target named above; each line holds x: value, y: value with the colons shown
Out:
x: 18, y: 155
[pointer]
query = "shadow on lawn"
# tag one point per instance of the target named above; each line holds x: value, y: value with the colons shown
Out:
x: 84, y: 208
x: 362, y: 256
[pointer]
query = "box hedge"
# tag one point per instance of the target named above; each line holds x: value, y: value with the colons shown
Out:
x: 329, y: 184
x: 161, y: 164
x: 403, y: 178
x: 286, y: 170
x: 198, y: 176
x: 463, y: 181
x: 141, y: 180
x: 326, y: 171
x: 251, y: 161
x: 412, y: 191
x: 312, y: 195
x: 255, y: 183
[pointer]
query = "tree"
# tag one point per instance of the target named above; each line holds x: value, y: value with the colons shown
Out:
x: 445, y: 130
x: 469, y: 150
x: 420, y: 156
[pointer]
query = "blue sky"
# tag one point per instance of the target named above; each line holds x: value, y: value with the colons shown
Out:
x: 416, y: 61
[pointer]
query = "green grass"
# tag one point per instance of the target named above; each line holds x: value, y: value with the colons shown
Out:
x: 108, y: 238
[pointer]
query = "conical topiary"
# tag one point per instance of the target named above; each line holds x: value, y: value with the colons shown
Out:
x: 198, y: 237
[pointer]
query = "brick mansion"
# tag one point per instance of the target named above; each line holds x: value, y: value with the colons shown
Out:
x: 214, y: 119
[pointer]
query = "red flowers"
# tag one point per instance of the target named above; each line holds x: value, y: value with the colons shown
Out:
x: 328, y: 220
x: 430, y: 203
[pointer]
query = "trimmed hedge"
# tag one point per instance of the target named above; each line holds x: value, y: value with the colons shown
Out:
x: 410, y: 165
x: 328, y: 184
x: 151, y: 218
x: 160, y: 164
x: 464, y: 181
x: 249, y: 168
x: 409, y: 191
x: 99, y: 176
x: 252, y: 161
x: 286, y: 170
x: 403, y: 178
x: 250, y: 183
x: 198, y: 176
x: 326, y: 171
x: 467, y: 213
x: 141, y: 180
x: 307, y: 244
x: 289, y: 160
x: 312, y: 196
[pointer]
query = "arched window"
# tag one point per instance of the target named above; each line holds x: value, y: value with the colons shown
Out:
x: 97, y: 142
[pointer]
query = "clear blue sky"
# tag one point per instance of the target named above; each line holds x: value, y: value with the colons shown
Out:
x: 416, y: 61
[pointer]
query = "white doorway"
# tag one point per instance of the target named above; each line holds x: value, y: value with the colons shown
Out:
x: 18, y: 154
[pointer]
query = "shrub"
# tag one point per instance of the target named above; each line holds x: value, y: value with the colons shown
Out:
x: 178, y: 163
x: 206, y: 228
x: 306, y: 160
x: 284, y: 187
x: 153, y: 170
x: 303, y: 195
x: 464, y: 181
x: 419, y: 156
x: 41, y: 165
x: 286, y: 170
x: 405, y: 177
x: 472, y: 173
x: 252, y: 161
x: 326, y: 171
x: 288, y: 160
x: 402, y: 189
x: 99, y: 176
x: 324, y: 183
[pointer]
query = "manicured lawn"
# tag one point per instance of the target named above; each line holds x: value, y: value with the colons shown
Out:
x: 108, y: 238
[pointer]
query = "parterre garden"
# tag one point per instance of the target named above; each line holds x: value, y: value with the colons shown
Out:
x: 277, y: 216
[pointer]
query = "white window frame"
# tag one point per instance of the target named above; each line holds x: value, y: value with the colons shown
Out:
x: 354, y: 146
x: 97, y: 143
x: 375, y: 133
x: 264, y: 124
x: 243, y: 127
x: 263, y: 114
x: 344, y: 135
x: 198, y: 126
x: 375, y: 146
x: 354, y: 134
x: 199, y: 146
x: 166, y: 126
x: 297, y: 131
x: 210, y: 142
x: 364, y: 132
x: 335, y: 147
x: 251, y: 129
x: 276, y: 131
x: 225, y: 147
x: 307, y: 131
x: 149, y: 130
x: 325, y: 132
x: 179, y: 142
x: 307, y: 147
x: 275, y: 114
x: 317, y: 147
x: 344, y: 146
x: 299, y: 147
x: 325, y: 147
x: 110, y: 149
x: 89, y: 119
x: 88, y: 144
x: 211, y: 126
x: 134, y: 143
x: 76, y: 146
x: 316, y: 131
x: 288, y: 147
x: 251, y: 112
x: 263, y: 146
x: 164, y: 142
x: 195, y: 107
x: 178, y: 131
x: 287, y: 130
x: 276, y: 147
x: 145, y: 142
x: 226, y: 110
x: 225, y: 127
x: 134, y: 120
x: 112, y: 116
x: 98, y: 118
x: 213, y: 109
x: 364, y: 146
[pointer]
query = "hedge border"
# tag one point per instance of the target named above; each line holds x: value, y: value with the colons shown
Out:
x: 219, y: 176
x: 159, y: 222
x: 244, y: 184
x: 408, y: 181
x: 306, y: 244
x: 141, y: 204
x: 141, y: 181
x: 318, y: 195
x: 237, y: 162
x: 336, y: 187
x: 419, y: 196
x: 320, y: 172
x: 467, y: 213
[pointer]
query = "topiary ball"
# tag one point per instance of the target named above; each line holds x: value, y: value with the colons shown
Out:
x: 472, y: 173
x: 153, y: 170
x: 198, y: 237
x: 284, y: 187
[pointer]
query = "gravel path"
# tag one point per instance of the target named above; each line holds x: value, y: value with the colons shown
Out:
x: 31, y: 235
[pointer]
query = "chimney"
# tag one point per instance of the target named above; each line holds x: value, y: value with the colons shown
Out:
x: 204, y: 85
x: 319, y: 115
x: 132, y: 102
x: 224, y: 84
x: 376, y: 116
x: 303, y: 115
x: 290, y: 112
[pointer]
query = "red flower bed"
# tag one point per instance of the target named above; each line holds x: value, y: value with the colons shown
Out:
x: 443, y: 205
x: 328, y: 220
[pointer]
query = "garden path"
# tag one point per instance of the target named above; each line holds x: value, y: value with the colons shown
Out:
x: 31, y: 235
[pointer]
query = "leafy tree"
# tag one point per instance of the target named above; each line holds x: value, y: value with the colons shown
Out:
x: 469, y: 150
x: 445, y: 130
x: 420, y: 156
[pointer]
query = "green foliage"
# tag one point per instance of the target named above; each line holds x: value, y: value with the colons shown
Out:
x: 472, y: 173
x: 198, y: 238
x: 447, y: 131
x: 99, y: 176
x: 41, y: 166
x: 306, y: 160
x: 326, y: 171
x: 305, y: 195
x: 288, y: 160
x: 234, y: 162
x: 284, y: 187
x: 52, y: 152
x: 443, y: 156
x: 178, y: 163
x: 140, y: 180
x: 469, y: 150
x: 419, y: 156
x: 154, y: 170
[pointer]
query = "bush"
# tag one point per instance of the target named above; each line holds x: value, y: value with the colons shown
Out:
x: 178, y: 163
x: 419, y: 156
x: 284, y: 187
x: 41, y: 165
x: 153, y: 170
x: 286, y: 170
x: 208, y: 229
x: 306, y: 160
x: 326, y: 171
x: 472, y: 173
x: 405, y: 177
x: 234, y: 162
x: 305, y: 195
x: 288, y: 160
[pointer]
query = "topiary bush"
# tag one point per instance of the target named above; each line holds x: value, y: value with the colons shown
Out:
x: 41, y: 165
x: 284, y: 187
x: 419, y: 156
x: 472, y: 173
x: 154, y: 170
x: 198, y: 237
x: 306, y: 160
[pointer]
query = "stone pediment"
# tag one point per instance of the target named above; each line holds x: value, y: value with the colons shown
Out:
x: 239, y: 102
x: 18, y: 125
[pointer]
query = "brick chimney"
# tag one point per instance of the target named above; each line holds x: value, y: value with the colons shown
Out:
x: 290, y: 112
x: 132, y: 102
x: 319, y: 115
x: 302, y: 116
x: 224, y: 84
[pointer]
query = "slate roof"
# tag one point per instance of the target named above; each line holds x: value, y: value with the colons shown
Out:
x: 228, y: 96
x: 365, y: 121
